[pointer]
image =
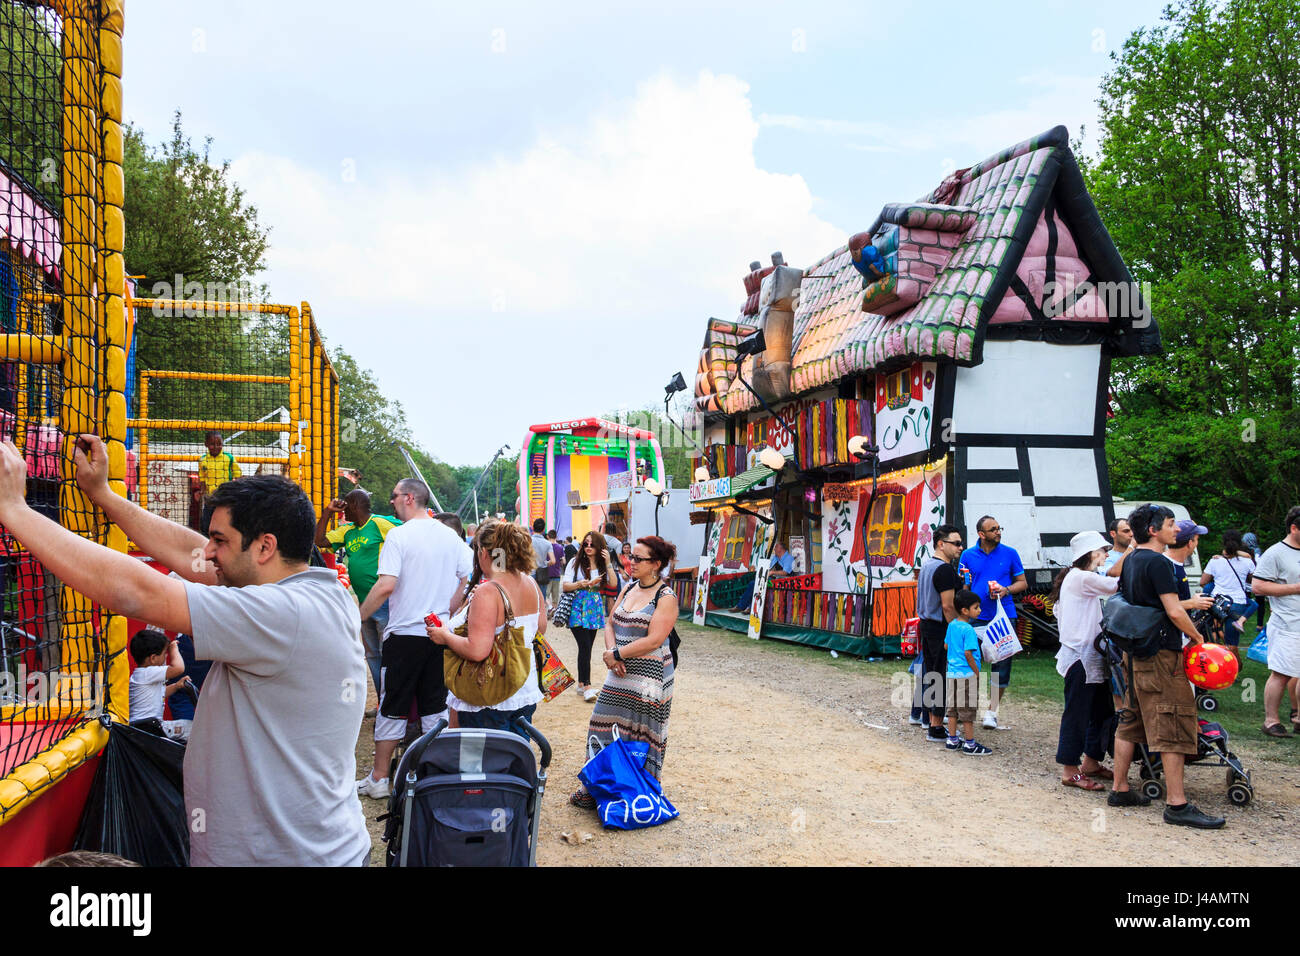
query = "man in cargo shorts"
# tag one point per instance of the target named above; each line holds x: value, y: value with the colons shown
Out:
x: 1160, y: 708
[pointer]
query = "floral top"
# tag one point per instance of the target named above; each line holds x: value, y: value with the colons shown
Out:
x: 588, y: 608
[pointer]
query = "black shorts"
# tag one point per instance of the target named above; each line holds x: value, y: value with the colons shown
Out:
x: 412, y: 669
x: 934, y: 662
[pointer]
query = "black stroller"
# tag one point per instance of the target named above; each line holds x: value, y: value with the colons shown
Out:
x: 467, y: 797
x: 1211, y: 742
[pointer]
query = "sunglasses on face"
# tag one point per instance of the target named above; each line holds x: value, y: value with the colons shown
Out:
x: 638, y: 559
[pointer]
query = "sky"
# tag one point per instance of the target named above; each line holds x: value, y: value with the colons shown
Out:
x: 524, y: 213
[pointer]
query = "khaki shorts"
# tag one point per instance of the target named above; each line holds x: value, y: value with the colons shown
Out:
x: 963, y: 698
x: 1161, y: 705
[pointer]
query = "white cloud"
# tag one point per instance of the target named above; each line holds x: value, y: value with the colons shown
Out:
x: 597, y: 252
x: 1050, y: 99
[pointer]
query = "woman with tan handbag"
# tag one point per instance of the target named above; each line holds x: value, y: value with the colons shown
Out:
x: 507, y: 607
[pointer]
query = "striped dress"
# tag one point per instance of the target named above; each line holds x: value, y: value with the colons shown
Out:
x: 639, y: 703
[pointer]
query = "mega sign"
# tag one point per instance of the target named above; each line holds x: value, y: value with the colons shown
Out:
x: 713, y: 488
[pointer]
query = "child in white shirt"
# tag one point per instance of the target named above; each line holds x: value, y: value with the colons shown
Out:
x: 157, y: 660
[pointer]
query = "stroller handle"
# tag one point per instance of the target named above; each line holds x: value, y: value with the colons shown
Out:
x: 542, y: 743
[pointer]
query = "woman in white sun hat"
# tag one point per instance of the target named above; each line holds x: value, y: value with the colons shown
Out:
x: 1076, y: 595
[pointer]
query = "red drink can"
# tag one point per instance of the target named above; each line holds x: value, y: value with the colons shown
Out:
x: 431, y: 620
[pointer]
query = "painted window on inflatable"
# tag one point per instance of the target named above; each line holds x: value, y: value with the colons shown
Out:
x: 886, y: 526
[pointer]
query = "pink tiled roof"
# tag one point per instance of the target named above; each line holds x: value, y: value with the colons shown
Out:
x: 954, y: 266
x: 28, y: 226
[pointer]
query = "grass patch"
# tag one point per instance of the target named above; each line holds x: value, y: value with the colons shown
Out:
x: 1034, y: 679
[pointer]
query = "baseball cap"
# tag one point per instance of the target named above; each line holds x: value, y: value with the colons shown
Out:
x: 1186, y: 529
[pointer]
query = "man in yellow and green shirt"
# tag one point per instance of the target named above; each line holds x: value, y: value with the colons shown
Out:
x: 362, y: 535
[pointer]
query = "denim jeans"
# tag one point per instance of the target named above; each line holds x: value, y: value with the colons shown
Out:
x: 489, y: 719
x: 372, y: 639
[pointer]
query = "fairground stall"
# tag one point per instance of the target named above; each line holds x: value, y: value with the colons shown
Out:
x: 950, y: 361
x: 580, y: 475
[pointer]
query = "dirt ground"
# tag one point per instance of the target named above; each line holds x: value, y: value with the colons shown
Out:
x: 795, y: 759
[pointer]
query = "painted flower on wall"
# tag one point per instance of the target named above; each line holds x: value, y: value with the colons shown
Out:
x: 935, y: 484
x: 929, y: 377
x: 862, y: 580
x: 924, y: 534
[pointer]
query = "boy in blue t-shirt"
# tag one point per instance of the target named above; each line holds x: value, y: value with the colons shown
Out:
x: 963, y: 675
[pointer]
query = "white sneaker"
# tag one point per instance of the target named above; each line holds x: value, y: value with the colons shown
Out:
x: 990, y: 720
x: 376, y: 789
x: 590, y: 694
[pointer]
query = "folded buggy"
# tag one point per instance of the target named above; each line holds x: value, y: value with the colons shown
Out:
x: 467, y: 797
x: 1211, y: 742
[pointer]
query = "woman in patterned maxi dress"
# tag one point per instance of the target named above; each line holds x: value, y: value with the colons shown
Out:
x: 637, y: 695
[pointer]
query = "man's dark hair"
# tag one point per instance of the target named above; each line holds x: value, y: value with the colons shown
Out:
x: 452, y: 521
x: 1292, y: 521
x: 212, y: 434
x: 945, y: 530
x: 1113, y: 526
x: 979, y: 525
x: 270, y: 504
x: 1145, y: 517
x: 965, y: 598
x: 358, y: 497
x: 416, y: 489
x: 147, y: 642
x: 539, y: 525
x: 551, y: 534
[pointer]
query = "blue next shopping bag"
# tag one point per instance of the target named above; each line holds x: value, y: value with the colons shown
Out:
x: 1259, y: 650
x: 627, y: 798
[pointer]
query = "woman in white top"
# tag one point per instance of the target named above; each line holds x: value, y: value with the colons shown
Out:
x: 1077, y: 593
x: 1231, y: 570
x: 505, y: 556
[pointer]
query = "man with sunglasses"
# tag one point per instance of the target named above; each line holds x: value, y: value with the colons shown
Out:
x: 936, y: 584
x: 996, y: 575
x: 422, y: 566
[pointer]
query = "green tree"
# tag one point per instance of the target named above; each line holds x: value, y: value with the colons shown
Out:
x: 186, y: 216
x: 32, y: 104
x: 1198, y: 180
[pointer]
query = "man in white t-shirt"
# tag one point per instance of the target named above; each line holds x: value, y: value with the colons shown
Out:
x: 424, y: 564
x: 1277, y: 577
x: 271, y: 759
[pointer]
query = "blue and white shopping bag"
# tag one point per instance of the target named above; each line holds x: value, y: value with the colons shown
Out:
x: 1259, y: 650
x: 627, y: 798
x: 999, y: 640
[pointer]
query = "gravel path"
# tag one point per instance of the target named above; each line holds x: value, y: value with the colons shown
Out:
x: 781, y: 758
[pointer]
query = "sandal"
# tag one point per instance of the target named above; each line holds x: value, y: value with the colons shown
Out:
x: 1275, y: 730
x: 1101, y: 773
x: 1083, y: 782
x: 583, y: 800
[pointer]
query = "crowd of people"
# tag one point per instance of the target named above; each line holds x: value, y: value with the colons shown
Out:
x: 1140, y: 699
x: 269, y: 776
x: 269, y: 766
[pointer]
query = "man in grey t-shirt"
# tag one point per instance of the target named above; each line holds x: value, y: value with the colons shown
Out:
x: 270, y: 765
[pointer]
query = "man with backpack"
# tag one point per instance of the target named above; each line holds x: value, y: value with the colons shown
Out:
x: 1160, y: 707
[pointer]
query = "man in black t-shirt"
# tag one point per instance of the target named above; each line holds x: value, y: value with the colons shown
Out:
x: 1160, y: 708
x: 936, y: 584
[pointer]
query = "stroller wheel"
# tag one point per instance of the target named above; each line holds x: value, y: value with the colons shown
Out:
x: 1154, y: 789
x: 1240, y: 794
x: 1207, y: 703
